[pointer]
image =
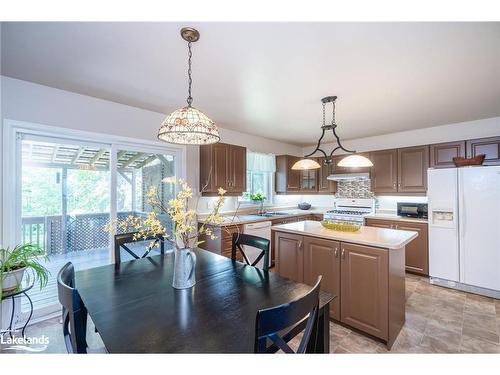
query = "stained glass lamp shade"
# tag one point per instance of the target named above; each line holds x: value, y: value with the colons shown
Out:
x: 187, y: 125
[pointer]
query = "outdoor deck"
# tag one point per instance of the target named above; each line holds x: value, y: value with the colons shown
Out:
x: 81, y: 260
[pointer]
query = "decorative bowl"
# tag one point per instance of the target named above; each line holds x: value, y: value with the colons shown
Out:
x: 464, y: 162
x: 304, y: 206
x: 340, y: 226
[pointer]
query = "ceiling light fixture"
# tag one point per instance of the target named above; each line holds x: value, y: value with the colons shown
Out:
x: 352, y: 161
x: 187, y: 125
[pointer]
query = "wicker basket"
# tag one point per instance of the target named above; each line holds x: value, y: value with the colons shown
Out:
x: 464, y: 162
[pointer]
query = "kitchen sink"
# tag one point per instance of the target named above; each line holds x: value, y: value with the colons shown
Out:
x: 271, y: 214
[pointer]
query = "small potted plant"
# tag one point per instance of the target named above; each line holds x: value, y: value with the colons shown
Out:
x: 22, y: 260
x: 258, y: 198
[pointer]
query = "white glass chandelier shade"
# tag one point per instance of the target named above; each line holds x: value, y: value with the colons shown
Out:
x: 188, y: 126
x: 355, y: 161
x: 305, y: 164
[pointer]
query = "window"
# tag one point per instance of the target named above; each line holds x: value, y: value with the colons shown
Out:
x: 260, y: 172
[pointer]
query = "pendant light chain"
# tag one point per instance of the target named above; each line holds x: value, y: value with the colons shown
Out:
x: 333, y: 113
x: 324, y: 118
x: 190, y: 81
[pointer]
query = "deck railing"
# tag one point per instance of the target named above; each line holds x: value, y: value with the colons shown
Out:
x: 83, y: 232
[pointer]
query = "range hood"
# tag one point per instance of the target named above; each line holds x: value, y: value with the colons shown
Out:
x: 349, y: 176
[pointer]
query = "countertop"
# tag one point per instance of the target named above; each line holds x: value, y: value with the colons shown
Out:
x: 252, y: 218
x: 370, y: 236
x: 385, y: 216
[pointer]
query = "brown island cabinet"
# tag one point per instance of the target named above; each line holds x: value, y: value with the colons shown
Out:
x: 365, y: 270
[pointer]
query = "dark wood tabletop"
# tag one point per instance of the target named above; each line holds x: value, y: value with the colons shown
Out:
x: 136, y: 310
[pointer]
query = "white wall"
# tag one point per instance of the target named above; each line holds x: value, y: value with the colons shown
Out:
x: 445, y: 133
x: 30, y: 102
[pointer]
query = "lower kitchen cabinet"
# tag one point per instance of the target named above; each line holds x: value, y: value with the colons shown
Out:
x: 368, y: 282
x: 320, y: 258
x: 417, y: 251
x: 289, y: 249
x: 364, y: 280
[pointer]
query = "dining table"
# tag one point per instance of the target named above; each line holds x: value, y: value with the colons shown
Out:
x: 135, y: 309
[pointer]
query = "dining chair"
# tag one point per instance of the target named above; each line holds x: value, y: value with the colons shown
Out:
x: 288, y: 318
x: 74, y: 312
x: 121, y: 241
x: 241, y: 239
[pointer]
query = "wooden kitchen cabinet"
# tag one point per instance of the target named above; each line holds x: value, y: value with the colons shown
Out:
x: 417, y: 251
x: 413, y: 163
x: 290, y: 252
x: 237, y: 170
x: 368, y: 282
x: 321, y: 257
x: 488, y: 146
x: 324, y: 185
x: 386, y: 224
x: 222, y: 244
x: 222, y: 166
x: 364, y: 288
x: 384, y: 171
x: 287, y: 179
x: 309, y: 181
x: 441, y: 155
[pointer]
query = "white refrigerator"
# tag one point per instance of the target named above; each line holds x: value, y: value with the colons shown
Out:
x: 464, y: 228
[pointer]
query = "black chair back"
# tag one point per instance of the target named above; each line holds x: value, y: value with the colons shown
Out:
x: 74, y: 312
x: 240, y: 239
x: 271, y: 323
x: 121, y: 241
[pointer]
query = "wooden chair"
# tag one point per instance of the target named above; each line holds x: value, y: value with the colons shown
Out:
x: 126, y: 238
x: 289, y: 318
x: 260, y: 243
x: 74, y: 312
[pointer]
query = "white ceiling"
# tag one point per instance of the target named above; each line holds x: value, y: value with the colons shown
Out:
x: 268, y: 78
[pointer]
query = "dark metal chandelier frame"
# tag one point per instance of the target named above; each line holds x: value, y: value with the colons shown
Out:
x: 324, y: 128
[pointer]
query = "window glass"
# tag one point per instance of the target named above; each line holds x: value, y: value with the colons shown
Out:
x: 260, y: 171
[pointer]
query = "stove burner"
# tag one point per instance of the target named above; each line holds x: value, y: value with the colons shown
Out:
x: 347, y: 212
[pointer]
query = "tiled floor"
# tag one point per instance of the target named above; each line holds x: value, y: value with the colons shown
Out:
x: 438, y: 320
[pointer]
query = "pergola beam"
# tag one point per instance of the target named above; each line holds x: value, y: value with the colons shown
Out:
x: 77, y: 155
x: 132, y: 160
x: 145, y: 161
x: 97, y: 156
x: 54, y: 153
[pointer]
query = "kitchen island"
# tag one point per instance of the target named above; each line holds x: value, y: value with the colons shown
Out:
x: 364, y: 269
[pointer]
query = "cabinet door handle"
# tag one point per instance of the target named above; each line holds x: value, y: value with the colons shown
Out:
x: 300, y: 244
x: 342, y: 255
x: 336, y: 252
x: 394, y: 185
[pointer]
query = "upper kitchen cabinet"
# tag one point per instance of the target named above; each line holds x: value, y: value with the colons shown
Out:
x: 441, y: 155
x: 488, y: 146
x: 413, y: 163
x: 222, y: 165
x: 324, y: 185
x: 237, y: 169
x: 309, y: 181
x: 287, y: 179
x: 384, y: 174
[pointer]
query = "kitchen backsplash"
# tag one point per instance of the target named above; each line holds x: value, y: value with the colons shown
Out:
x: 357, y: 188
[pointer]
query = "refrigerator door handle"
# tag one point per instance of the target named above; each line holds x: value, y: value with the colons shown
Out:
x: 461, y: 221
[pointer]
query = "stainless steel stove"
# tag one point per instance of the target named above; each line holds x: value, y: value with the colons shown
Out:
x: 351, y: 210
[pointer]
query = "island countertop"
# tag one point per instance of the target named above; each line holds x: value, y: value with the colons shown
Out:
x: 370, y: 236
